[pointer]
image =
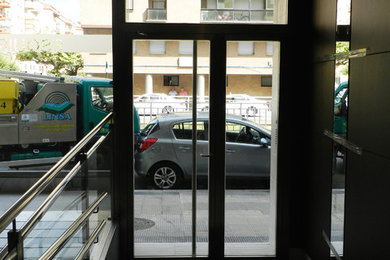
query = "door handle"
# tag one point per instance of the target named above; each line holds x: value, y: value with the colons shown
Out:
x: 205, y: 155
x: 230, y: 150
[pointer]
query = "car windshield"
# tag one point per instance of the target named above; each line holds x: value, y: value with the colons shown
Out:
x: 340, y: 95
x: 102, y: 98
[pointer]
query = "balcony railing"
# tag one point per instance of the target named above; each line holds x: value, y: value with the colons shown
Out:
x: 235, y: 15
x: 153, y: 14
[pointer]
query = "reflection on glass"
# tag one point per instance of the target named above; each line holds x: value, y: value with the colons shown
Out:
x: 163, y: 97
x: 250, y: 205
x: 340, y: 120
x: 208, y: 11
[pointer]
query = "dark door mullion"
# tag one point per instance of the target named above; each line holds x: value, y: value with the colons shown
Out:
x: 217, y: 147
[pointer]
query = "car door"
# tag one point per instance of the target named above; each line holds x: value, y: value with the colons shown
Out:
x: 245, y: 155
x: 182, y: 144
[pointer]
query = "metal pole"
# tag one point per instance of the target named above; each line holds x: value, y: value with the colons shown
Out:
x: 194, y: 141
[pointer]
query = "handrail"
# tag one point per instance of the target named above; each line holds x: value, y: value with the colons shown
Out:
x: 84, y: 250
x: 7, y: 217
x: 331, y: 247
x: 59, y: 243
x: 4, y: 252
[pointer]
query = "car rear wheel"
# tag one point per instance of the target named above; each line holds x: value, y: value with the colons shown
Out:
x: 166, y: 175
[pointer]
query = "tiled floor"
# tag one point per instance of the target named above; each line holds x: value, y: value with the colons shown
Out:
x: 164, y: 224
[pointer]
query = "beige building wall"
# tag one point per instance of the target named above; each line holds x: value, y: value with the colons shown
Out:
x: 96, y: 13
x: 236, y: 84
x: 178, y: 11
x: 183, y: 11
x: 244, y: 71
x: 185, y: 81
x: 247, y: 84
x: 280, y: 11
x: 138, y: 12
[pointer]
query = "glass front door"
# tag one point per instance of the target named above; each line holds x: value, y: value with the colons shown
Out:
x: 186, y: 97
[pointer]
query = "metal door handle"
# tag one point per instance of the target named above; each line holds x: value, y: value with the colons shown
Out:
x: 230, y: 151
x: 205, y: 155
x: 185, y: 148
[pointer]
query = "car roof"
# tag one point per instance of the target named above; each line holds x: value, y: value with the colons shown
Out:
x: 174, y: 117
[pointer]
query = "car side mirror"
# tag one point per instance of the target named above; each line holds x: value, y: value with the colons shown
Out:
x: 264, y: 142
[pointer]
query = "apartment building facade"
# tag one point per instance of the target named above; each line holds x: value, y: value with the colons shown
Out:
x: 34, y: 17
x: 162, y: 64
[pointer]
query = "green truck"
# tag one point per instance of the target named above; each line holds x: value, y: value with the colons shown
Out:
x: 43, y: 116
x: 341, y: 109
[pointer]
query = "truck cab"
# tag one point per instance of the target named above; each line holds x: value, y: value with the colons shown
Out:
x: 341, y: 109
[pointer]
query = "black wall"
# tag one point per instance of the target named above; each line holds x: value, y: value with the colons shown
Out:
x: 317, y: 189
x: 367, y: 216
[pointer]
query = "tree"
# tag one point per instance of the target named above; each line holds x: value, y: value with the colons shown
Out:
x: 7, y: 64
x: 342, y: 49
x: 67, y: 63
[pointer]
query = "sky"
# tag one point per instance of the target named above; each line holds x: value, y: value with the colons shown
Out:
x: 68, y: 8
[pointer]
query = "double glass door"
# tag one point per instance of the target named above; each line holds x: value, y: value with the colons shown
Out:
x: 205, y: 159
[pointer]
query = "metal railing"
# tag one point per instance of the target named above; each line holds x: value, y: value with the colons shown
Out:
x: 15, y: 250
x: 258, y: 111
x: 154, y: 14
x: 236, y: 15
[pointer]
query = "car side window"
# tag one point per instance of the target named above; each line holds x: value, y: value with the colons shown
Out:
x: 239, y: 133
x: 183, y: 130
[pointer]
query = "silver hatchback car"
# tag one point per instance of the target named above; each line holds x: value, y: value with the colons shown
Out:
x: 164, y: 151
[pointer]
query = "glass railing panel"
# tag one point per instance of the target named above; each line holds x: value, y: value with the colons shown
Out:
x: 91, y: 180
x: 156, y: 14
x: 257, y: 16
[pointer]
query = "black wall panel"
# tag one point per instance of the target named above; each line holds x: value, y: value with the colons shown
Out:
x: 370, y: 25
x: 367, y: 213
x: 369, y: 103
x: 319, y: 147
x: 324, y: 21
x: 319, y: 156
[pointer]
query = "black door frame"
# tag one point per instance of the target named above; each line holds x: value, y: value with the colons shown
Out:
x: 123, y: 185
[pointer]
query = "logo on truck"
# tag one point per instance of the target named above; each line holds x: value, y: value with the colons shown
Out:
x: 55, y: 107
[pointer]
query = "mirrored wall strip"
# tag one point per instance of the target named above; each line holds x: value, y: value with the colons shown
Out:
x: 358, y: 53
x: 344, y: 142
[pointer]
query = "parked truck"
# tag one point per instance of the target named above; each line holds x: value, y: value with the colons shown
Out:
x: 341, y: 109
x: 43, y: 116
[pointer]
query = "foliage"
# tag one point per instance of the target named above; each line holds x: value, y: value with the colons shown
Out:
x: 67, y: 63
x: 343, y: 49
x: 7, y: 64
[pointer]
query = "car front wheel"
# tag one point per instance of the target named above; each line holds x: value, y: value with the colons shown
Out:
x: 166, y: 176
x: 251, y: 111
x: 167, y: 110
